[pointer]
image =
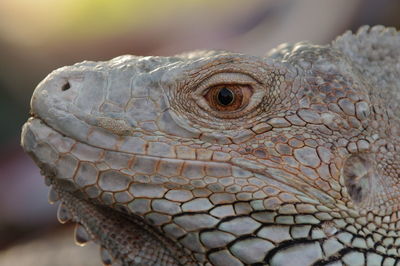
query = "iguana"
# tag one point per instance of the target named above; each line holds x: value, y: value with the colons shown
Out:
x: 220, y: 158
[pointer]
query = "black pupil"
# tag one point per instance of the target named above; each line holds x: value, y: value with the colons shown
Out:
x: 225, y: 96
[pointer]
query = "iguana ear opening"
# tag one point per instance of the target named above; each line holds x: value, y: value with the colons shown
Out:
x: 363, y: 181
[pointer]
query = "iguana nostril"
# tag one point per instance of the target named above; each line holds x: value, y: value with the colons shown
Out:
x: 66, y: 86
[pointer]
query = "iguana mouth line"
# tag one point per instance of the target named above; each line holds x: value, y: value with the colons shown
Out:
x: 160, y: 157
x: 265, y: 172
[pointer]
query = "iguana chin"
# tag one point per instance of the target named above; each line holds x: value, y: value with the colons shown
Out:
x: 220, y: 158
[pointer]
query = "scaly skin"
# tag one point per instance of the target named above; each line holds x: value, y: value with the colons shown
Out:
x: 154, y: 169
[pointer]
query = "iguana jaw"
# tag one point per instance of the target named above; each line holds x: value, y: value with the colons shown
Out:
x: 122, y: 235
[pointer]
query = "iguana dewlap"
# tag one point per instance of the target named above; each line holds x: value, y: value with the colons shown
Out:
x: 221, y: 158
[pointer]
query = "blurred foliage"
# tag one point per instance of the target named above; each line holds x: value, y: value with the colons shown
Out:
x: 37, y: 22
x: 12, y: 115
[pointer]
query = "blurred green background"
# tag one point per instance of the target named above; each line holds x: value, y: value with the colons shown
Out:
x: 37, y: 36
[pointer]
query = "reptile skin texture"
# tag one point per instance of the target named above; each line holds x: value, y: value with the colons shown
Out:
x: 220, y: 158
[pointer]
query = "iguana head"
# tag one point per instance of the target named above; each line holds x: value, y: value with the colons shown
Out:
x: 225, y: 158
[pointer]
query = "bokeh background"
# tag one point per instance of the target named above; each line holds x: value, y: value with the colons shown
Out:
x: 37, y: 36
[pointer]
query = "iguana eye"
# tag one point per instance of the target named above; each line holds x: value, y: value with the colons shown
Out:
x: 228, y: 97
